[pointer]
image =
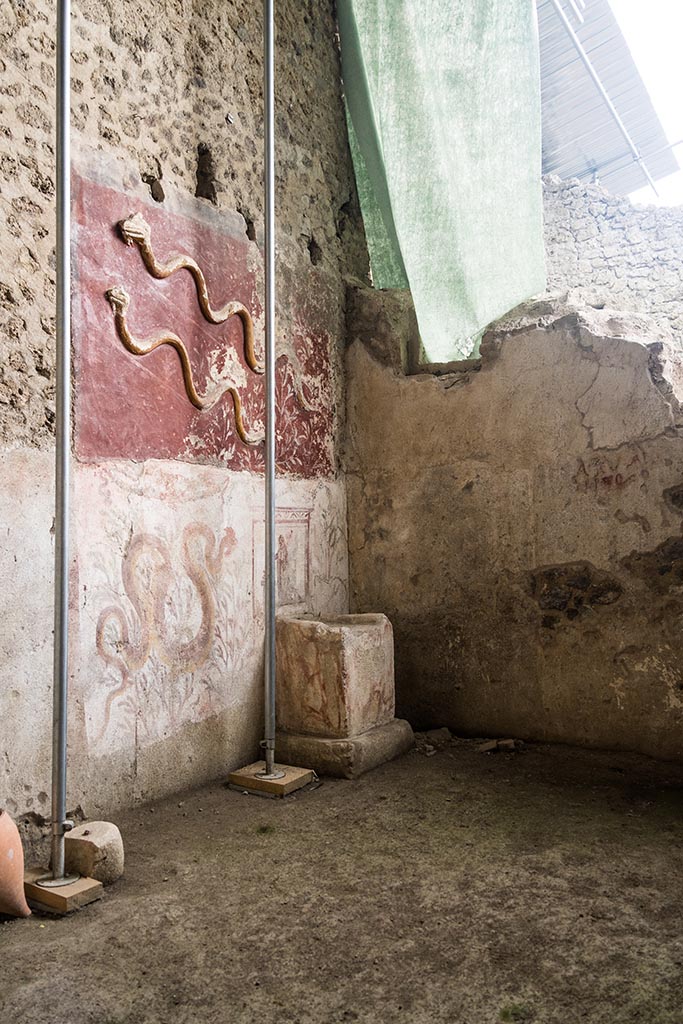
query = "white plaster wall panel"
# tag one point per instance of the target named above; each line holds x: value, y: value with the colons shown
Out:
x: 168, y: 595
x: 166, y: 628
x: 26, y: 629
x: 170, y: 631
x: 165, y: 576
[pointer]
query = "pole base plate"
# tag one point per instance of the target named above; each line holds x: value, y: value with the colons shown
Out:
x: 48, y: 882
x: 60, y: 899
x: 253, y: 779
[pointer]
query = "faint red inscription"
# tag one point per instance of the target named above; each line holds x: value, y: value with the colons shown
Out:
x: 609, y: 473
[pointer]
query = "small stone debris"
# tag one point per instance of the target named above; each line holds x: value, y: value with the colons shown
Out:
x: 439, y: 737
x: 493, y: 746
x: 430, y: 742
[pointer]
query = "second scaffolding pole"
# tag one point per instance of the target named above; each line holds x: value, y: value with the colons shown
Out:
x: 269, y: 271
x: 265, y: 777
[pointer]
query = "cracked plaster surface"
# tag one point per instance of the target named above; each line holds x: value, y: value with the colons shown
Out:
x: 561, y: 455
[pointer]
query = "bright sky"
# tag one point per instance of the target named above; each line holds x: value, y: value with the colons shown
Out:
x: 654, y: 32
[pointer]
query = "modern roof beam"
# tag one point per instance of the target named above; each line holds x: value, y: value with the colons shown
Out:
x: 622, y: 156
x: 577, y: 11
x: 578, y: 46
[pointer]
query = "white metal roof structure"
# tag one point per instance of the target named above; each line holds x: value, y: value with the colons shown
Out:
x: 599, y: 123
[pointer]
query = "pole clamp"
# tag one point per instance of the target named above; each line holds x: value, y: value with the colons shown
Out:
x: 59, y: 828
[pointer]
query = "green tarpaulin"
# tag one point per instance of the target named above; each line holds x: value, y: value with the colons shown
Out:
x: 443, y: 105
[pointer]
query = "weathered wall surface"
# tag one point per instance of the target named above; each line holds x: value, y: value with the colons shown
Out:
x: 167, y: 567
x: 173, y: 89
x: 629, y: 257
x: 521, y: 525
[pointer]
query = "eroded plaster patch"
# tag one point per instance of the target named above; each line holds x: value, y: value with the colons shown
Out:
x: 520, y: 530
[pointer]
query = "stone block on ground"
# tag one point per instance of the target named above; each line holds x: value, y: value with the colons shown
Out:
x: 348, y: 757
x: 95, y: 849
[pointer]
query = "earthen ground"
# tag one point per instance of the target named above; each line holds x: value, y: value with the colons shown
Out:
x: 543, y: 885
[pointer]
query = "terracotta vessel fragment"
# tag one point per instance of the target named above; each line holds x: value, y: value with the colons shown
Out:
x: 12, y: 899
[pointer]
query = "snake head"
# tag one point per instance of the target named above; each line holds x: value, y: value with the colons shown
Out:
x: 135, y: 230
x: 118, y: 299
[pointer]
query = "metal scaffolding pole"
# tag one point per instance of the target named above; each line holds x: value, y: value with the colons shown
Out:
x: 62, y: 440
x: 68, y: 891
x: 269, y: 261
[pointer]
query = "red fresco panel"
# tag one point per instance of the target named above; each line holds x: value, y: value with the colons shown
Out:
x: 136, y: 407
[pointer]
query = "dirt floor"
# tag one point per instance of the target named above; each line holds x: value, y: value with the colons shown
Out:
x: 543, y: 885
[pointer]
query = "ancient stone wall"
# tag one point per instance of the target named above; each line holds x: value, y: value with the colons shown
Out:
x: 167, y: 564
x: 520, y: 524
x: 628, y: 257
